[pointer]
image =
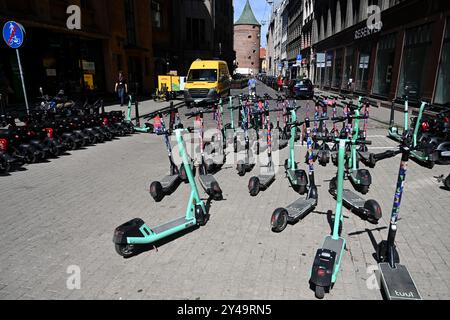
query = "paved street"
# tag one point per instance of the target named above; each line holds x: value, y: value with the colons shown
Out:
x: 63, y: 213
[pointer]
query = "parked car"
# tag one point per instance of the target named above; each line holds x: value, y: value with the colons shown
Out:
x: 304, y: 89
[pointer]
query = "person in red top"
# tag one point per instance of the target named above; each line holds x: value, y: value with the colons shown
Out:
x: 280, y: 83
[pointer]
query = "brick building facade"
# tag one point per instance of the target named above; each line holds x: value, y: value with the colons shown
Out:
x: 247, y: 42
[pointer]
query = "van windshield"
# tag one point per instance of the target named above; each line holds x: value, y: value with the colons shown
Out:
x: 209, y: 75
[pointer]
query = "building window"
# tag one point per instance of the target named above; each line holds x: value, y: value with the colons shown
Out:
x: 349, y: 67
x: 156, y: 14
x: 130, y: 22
x: 384, y: 65
x: 338, y: 68
x: 443, y: 84
x: 362, y: 77
x: 414, y: 64
x: 188, y: 29
x: 195, y: 31
x: 329, y: 69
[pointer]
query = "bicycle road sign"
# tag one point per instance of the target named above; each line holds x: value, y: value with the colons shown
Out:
x: 13, y: 34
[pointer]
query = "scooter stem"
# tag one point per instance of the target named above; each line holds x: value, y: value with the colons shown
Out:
x: 183, y: 154
x: 340, y: 188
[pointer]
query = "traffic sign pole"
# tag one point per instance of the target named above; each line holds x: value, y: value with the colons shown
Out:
x: 23, y: 82
x: 14, y: 36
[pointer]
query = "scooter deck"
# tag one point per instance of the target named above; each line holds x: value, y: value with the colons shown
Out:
x: 421, y: 156
x: 395, y: 136
x: 352, y: 199
x: 169, y: 181
x: 300, y: 208
x: 265, y: 180
x: 172, y: 224
x: 206, y: 181
x: 364, y: 155
x: 337, y: 246
x: 295, y: 175
x: 283, y: 144
x: 398, y: 283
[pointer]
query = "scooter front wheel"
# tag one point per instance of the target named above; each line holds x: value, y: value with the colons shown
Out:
x: 300, y: 189
x: 279, y: 220
x: 374, y: 211
x: 125, y: 250
x: 241, y: 169
x: 320, y: 292
x: 447, y: 183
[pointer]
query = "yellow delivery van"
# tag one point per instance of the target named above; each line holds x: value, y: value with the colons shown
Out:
x: 207, y: 79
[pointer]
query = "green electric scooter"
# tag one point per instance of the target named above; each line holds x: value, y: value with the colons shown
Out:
x: 129, y: 236
x: 423, y: 153
x: 361, y: 179
x: 231, y: 126
x: 297, y: 177
x: 146, y: 128
x: 327, y: 262
x: 394, y: 131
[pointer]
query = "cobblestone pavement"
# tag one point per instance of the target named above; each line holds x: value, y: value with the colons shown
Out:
x: 61, y: 214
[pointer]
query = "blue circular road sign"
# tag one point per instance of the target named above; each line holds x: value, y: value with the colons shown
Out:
x: 13, y: 34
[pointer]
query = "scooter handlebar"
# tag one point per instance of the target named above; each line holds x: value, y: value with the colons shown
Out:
x: 197, y: 113
x: 362, y: 142
x: 342, y: 119
x: 385, y: 155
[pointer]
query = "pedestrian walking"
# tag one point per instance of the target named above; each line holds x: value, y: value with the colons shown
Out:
x: 252, y: 86
x: 121, y: 88
x: 280, y: 83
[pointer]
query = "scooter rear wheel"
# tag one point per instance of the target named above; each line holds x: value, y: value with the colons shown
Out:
x: 279, y: 220
x: 254, y: 186
x: 364, y: 189
x: 4, y: 165
x: 156, y: 191
x: 125, y: 250
x: 216, y: 191
x: 333, y: 186
x: 183, y: 174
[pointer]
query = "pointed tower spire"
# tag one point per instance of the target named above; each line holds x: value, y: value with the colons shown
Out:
x: 247, y: 16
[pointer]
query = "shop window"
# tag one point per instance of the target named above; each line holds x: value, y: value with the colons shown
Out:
x: 443, y: 85
x: 338, y: 68
x: 347, y: 81
x: 384, y: 65
x: 362, y: 77
x: 329, y: 69
x: 415, y: 61
x: 156, y: 14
